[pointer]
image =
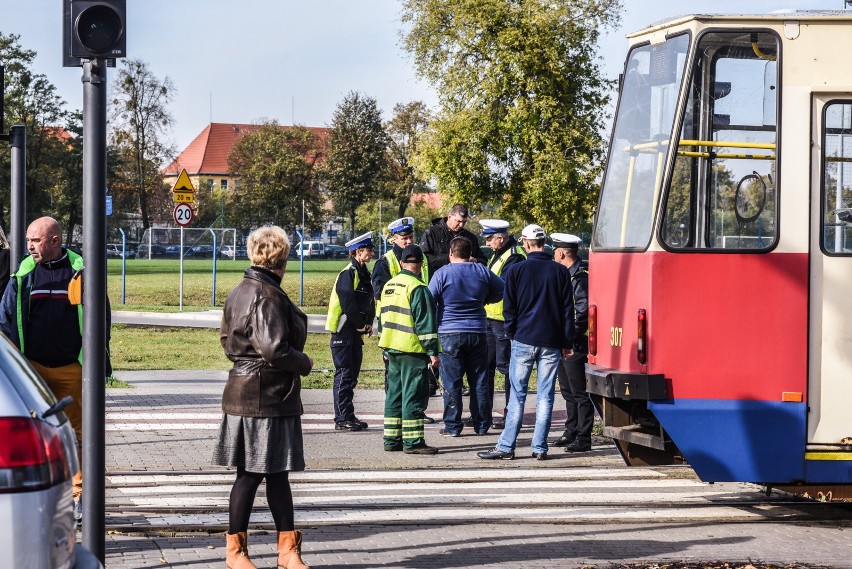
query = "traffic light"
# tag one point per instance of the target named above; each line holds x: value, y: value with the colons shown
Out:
x: 94, y: 29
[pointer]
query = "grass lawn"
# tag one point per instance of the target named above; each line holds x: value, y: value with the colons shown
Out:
x: 154, y: 285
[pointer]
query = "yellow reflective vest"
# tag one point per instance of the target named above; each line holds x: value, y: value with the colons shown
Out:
x: 397, y: 320
x: 335, y: 311
x: 494, y: 311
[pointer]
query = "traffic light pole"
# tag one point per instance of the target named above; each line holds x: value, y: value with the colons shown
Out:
x: 18, y: 198
x: 94, y: 303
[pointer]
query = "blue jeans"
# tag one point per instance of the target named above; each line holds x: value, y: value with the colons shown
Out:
x: 465, y: 354
x: 524, y: 357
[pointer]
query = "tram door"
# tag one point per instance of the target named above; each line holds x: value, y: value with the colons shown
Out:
x: 830, y: 350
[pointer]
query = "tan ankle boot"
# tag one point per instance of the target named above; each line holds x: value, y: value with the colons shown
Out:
x: 236, y: 552
x: 290, y: 550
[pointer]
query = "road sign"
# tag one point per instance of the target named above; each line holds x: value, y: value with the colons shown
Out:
x: 183, y: 184
x: 183, y: 197
x: 183, y: 214
x: 109, y: 205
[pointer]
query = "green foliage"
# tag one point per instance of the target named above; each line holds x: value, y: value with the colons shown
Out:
x: 31, y: 100
x: 522, y: 102
x: 140, y: 121
x: 405, y: 131
x: 277, y: 170
x: 357, y: 163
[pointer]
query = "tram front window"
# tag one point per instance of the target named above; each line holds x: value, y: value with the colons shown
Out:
x: 640, y: 145
x: 722, y: 193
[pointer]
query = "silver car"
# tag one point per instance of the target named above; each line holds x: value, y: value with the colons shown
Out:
x: 38, y: 457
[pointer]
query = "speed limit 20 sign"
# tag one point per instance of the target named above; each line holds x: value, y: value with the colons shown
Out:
x: 183, y: 214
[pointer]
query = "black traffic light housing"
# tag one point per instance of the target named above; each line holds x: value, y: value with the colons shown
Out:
x: 93, y: 29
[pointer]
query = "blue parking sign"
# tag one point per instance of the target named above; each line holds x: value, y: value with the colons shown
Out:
x: 109, y: 205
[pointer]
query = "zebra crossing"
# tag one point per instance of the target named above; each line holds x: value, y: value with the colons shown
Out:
x: 190, y: 501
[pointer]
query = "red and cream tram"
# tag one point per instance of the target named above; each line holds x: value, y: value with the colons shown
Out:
x: 721, y: 259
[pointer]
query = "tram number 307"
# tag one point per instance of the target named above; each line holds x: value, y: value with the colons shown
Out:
x: 615, y: 335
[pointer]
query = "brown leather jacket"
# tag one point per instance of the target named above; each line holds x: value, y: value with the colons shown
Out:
x: 264, y: 334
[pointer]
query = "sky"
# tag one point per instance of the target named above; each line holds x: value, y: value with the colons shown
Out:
x: 244, y: 61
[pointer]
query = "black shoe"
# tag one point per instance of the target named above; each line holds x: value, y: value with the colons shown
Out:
x: 421, y: 449
x: 496, y: 453
x: 393, y: 448
x: 447, y: 433
x: 563, y: 441
x: 540, y: 455
x: 428, y: 420
x: 482, y: 433
x: 498, y: 424
x: 577, y: 446
x: 360, y: 422
x: 348, y: 426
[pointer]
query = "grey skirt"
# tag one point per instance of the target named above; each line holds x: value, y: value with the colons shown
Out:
x: 260, y: 444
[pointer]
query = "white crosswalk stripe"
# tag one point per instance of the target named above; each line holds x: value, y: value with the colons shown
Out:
x: 460, y: 495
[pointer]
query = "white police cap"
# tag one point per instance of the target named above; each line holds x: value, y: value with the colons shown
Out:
x: 533, y: 232
x: 491, y: 226
x: 365, y: 240
x: 565, y: 240
x: 401, y: 225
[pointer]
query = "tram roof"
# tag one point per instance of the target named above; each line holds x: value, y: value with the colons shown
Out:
x: 780, y: 15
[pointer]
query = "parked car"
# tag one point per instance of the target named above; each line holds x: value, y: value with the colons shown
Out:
x: 199, y: 252
x: 227, y: 252
x: 336, y: 252
x: 38, y: 457
x: 173, y: 251
x: 157, y: 251
x: 115, y: 250
x: 311, y: 249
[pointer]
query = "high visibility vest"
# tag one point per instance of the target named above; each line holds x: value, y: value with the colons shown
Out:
x: 335, y: 311
x: 494, y: 311
x: 394, y: 268
x: 397, y: 320
x: 27, y: 266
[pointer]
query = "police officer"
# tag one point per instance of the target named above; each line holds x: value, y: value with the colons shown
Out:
x: 351, y: 310
x: 401, y: 235
x: 410, y: 339
x: 571, y: 372
x: 507, y: 252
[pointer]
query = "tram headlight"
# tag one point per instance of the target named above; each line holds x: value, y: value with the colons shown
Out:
x: 641, y: 337
x: 593, y: 329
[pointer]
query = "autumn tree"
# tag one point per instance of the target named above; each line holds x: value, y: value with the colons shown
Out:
x: 276, y: 169
x: 405, y: 131
x: 32, y: 100
x: 522, y: 101
x: 140, y: 125
x: 357, y: 155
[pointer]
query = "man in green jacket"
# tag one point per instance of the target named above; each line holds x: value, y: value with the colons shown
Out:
x: 410, y: 339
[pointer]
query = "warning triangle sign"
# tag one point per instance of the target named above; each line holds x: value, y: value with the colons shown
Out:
x: 183, y: 184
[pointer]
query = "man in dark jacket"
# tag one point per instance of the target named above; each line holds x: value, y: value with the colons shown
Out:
x: 580, y: 413
x: 37, y: 316
x: 351, y: 310
x: 435, y: 242
x: 537, y: 302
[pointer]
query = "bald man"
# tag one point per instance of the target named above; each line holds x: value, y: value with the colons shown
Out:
x: 36, y: 315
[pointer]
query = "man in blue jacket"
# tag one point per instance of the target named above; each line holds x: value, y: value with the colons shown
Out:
x: 461, y: 290
x: 537, y: 302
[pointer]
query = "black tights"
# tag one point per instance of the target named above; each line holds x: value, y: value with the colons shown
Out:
x: 277, y: 495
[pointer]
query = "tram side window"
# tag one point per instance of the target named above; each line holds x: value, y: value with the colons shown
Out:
x: 722, y: 191
x: 837, y: 178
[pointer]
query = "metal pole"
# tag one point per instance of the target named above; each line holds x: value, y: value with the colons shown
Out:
x: 123, y: 265
x: 94, y: 300
x: 301, y: 266
x: 180, y: 302
x: 215, y: 255
x: 18, y: 202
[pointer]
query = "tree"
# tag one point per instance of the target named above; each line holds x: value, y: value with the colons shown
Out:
x: 31, y: 100
x: 522, y: 99
x: 405, y: 130
x: 140, y: 122
x: 357, y: 154
x: 277, y: 171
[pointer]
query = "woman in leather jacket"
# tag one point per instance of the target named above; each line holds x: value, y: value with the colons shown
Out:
x: 263, y: 333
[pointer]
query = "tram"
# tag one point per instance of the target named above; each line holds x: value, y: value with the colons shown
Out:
x: 720, y: 320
